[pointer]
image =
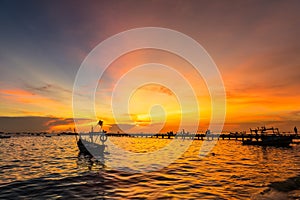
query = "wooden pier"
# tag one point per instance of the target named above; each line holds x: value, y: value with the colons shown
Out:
x: 241, y: 136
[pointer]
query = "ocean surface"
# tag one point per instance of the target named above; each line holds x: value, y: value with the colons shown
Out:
x: 37, y: 167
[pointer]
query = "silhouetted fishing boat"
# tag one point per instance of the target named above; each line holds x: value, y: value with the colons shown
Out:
x: 93, y: 144
x: 264, y: 138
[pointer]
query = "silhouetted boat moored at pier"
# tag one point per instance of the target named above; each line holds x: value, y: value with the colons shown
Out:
x: 264, y: 138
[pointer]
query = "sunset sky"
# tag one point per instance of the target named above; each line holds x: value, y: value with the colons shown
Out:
x: 255, y: 45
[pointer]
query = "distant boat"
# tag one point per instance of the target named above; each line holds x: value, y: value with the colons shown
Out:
x: 264, y: 138
x: 5, y: 136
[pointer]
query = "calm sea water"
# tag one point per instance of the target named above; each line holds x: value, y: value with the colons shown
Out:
x: 50, y: 168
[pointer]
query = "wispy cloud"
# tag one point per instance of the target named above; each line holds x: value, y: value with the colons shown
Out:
x: 29, y: 101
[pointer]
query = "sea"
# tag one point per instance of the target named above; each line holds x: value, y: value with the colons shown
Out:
x: 38, y: 167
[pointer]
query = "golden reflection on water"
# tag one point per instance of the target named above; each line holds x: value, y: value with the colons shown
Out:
x: 230, y: 167
x: 231, y: 170
x: 140, y: 145
x: 32, y: 157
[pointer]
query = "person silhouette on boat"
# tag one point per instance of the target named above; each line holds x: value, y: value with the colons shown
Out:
x: 296, y: 130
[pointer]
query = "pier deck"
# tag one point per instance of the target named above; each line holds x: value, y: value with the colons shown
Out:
x: 199, y: 136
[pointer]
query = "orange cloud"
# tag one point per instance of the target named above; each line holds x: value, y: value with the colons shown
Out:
x: 26, y: 101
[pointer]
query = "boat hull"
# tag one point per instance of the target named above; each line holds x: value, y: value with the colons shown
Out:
x: 90, y: 148
x: 277, y: 141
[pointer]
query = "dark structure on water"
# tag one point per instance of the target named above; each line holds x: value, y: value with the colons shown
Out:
x: 265, y: 138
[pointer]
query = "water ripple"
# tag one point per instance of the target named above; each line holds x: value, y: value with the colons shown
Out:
x: 49, y: 168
